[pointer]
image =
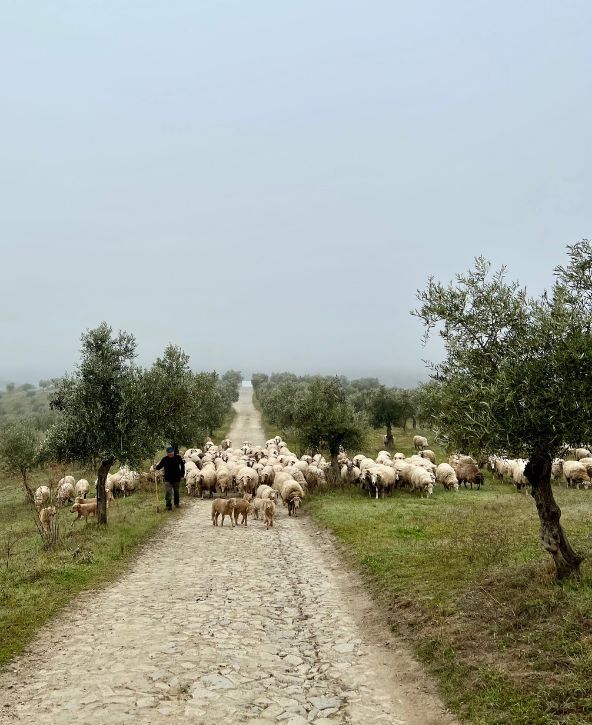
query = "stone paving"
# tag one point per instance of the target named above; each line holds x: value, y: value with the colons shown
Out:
x: 216, y: 625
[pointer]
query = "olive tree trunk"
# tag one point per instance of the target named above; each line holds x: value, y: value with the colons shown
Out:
x: 106, y: 464
x: 27, y: 487
x: 553, y: 538
x: 335, y: 472
x: 389, y: 441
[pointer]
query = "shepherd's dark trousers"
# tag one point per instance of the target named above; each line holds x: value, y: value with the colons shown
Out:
x: 171, y: 490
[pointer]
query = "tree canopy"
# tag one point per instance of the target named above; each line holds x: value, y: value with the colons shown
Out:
x: 19, y: 450
x: 516, y: 377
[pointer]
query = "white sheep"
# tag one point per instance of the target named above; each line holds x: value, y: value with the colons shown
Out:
x: 247, y: 480
x: 350, y: 473
x: 42, y: 496
x: 419, y: 443
x: 224, y: 479
x: 206, y: 480
x: 575, y: 474
x: 446, y: 475
x: 421, y: 480
x: 65, y: 492
x: 82, y: 488
x: 292, y: 495
x: 430, y: 455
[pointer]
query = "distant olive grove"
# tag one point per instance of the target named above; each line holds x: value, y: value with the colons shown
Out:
x: 329, y: 413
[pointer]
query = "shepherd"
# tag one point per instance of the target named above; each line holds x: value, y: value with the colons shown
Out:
x: 174, y: 470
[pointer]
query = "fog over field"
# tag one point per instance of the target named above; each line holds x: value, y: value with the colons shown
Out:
x: 267, y: 184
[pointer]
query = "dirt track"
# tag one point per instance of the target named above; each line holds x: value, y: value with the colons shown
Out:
x: 216, y: 625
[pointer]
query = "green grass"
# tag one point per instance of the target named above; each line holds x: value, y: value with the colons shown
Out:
x: 35, y: 582
x: 463, y: 578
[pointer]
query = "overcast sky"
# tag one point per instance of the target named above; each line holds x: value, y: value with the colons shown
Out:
x: 268, y: 183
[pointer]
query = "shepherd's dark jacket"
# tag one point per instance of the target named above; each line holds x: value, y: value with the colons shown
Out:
x: 174, y: 468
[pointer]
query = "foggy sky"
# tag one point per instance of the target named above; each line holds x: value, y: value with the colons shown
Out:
x: 268, y: 183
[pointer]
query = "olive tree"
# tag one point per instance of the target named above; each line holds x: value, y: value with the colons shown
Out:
x: 19, y: 451
x: 387, y: 407
x: 102, y: 408
x: 516, y: 377
x: 322, y: 417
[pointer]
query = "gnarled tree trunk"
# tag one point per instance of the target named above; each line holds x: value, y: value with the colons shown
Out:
x: 27, y: 487
x: 553, y: 538
x: 335, y: 471
x: 106, y: 464
x: 389, y: 441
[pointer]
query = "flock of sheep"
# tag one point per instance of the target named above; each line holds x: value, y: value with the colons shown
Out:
x: 262, y: 475
x: 417, y: 473
x: 273, y: 472
x: 71, y: 491
x: 576, y: 473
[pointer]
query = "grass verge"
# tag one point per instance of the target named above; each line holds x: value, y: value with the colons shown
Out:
x: 35, y: 582
x: 463, y: 578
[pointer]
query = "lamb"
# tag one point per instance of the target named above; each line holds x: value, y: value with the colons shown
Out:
x: 257, y: 504
x: 268, y: 513
x: 267, y: 492
x: 84, y: 509
x: 42, y: 496
x: 575, y: 474
x: 421, y: 480
x: 419, y: 443
x: 109, y: 495
x: 244, y: 508
x: 430, y: 455
x: 45, y: 517
x: 292, y: 494
x: 446, y: 475
x: 65, y: 492
x: 82, y: 488
x: 469, y: 473
x: 223, y: 507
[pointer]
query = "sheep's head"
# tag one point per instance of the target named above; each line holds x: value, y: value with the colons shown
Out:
x: 296, y: 501
x: 455, y: 485
x: 430, y: 488
x: 75, y: 508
